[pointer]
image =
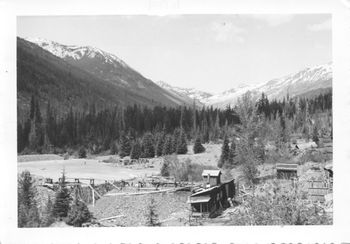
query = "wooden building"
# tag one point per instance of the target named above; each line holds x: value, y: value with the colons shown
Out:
x: 208, y: 200
x: 212, y: 177
x: 286, y: 171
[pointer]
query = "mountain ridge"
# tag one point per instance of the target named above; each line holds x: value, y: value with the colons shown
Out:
x: 305, y: 81
x: 121, y: 83
x: 66, y: 84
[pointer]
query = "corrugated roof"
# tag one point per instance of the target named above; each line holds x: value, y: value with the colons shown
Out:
x: 201, y: 199
x: 207, y: 172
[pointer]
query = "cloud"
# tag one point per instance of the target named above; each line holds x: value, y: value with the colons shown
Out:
x: 227, y: 31
x: 324, y: 26
x: 273, y: 19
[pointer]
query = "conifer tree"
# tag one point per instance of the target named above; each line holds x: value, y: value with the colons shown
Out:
x: 315, y: 137
x: 78, y: 213
x: 181, y: 147
x: 147, y: 146
x: 28, y: 214
x: 151, y: 215
x: 62, y: 200
x: 125, y: 147
x: 198, y: 147
x: 165, y: 170
x: 159, y: 144
x: 48, y: 219
x: 135, y: 150
x: 168, y: 143
x: 113, y: 148
x: 175, y: 139
x: 233, y: 154
x: 225, y: 152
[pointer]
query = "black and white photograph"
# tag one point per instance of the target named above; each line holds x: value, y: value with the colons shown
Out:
x: 174, y: 120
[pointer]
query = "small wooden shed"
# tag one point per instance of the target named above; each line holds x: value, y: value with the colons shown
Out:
x: 286, y: 171
x: 212, y: 177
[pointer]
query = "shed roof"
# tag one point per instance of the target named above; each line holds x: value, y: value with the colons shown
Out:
x: 329, y: 166
x: 203, y: 191
x: 291, y: 167
x: 201, y: 199
x: 211, y: 172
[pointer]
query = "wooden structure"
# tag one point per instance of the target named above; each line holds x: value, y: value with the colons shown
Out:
x: 211, y: 177
x: 286, y: 171
x: 318, y: 190
x: 207, y: 200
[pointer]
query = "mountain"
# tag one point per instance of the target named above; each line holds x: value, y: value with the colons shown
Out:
x: 191, y: 93
x: 311, y: 80
x: 77, y: 76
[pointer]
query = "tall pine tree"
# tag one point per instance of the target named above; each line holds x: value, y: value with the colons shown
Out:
x: 168, y: 143
x: 181, y: 146
x: 225, y: 152
x: 198, y: 147
x: 125, y: 147
x: 147, y: 146
x: 62, y: 200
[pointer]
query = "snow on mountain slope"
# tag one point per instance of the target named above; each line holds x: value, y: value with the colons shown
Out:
x: 75, y: 52
x: 306, y: 80
x: 108, y: 67
x: 192, y: 93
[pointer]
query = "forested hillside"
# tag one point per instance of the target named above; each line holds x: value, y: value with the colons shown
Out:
x: 120, y: 128
x: 48, y: 77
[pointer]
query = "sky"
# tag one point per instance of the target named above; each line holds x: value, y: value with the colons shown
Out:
x: 212, y: 53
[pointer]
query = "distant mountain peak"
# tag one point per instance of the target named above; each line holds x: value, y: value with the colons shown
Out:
x: 75, y: 52
x: 190, y: 92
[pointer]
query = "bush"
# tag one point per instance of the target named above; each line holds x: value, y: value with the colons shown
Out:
x: 183, y: 171
x: 277, y: 207
x: 82, y: 152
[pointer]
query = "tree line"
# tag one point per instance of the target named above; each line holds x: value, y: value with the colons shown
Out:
x: 146, y: 132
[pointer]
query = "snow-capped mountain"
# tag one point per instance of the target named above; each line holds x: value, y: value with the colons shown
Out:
x: 192, y: 93
x: 306, y: 80
x: 109, y: 68
x: 302, y: 82
x: 75, y: 52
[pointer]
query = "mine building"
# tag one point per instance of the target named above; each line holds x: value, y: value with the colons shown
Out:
x: 211, y: 177
x: 214, y: 195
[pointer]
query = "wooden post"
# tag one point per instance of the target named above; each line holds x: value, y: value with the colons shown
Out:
x: 93, y: 197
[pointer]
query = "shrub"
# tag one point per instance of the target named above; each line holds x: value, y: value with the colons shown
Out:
x: 82, y: 152
x: 277, y: 207
x: 182, y: 171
